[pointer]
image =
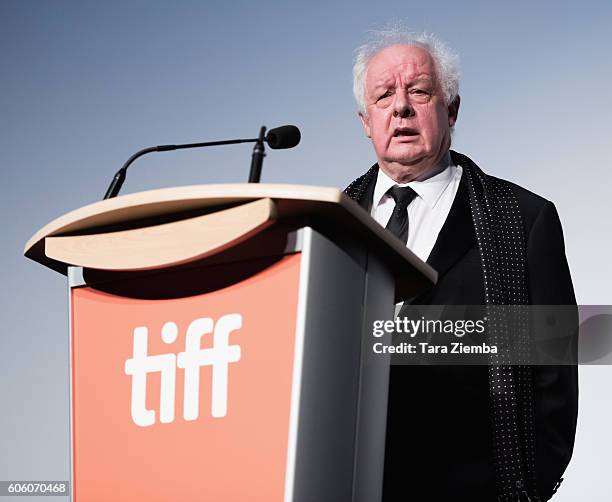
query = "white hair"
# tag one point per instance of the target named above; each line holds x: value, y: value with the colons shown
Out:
x: 445, y: 60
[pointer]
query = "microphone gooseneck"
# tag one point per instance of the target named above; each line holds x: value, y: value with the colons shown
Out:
x: 257, y: 157
x: 282, y: 137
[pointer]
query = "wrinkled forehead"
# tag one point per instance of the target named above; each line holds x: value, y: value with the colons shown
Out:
x: 407, y: 62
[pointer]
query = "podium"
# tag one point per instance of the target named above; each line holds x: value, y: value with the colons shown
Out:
x: 221, y: 343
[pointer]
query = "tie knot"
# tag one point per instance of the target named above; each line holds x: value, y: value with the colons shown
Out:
x: 402, y: 195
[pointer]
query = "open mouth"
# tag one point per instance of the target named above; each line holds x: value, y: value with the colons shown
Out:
x: 404, y: 131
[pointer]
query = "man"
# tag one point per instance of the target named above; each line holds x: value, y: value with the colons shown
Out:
x: 451, y: 434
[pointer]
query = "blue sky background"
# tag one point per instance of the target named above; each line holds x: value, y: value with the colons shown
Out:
x: 85, y: 84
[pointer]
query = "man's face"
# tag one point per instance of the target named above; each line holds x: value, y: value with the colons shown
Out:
x: 407, y: 119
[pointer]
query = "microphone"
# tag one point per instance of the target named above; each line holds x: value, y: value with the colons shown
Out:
x: 279, y: 138
x: 286, y: 136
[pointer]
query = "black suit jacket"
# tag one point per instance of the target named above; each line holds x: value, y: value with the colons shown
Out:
x: 438, y: 430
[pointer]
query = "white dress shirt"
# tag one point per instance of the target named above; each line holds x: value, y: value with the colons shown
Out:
x: 428, y: 211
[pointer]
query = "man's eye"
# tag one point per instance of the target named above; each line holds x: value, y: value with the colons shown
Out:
x: 385, y: 95
x: 420, y: 95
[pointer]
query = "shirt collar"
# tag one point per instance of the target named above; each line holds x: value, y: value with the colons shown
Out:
x: 428, y: 187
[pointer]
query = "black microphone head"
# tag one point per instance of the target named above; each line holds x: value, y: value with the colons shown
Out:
x: 286, y: 136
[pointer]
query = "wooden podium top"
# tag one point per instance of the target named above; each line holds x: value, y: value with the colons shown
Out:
x: 171, y: 226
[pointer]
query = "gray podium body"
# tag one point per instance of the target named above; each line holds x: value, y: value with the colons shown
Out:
x: 288, y: 403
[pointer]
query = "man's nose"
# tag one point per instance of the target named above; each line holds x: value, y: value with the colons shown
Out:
x: 402, y: 107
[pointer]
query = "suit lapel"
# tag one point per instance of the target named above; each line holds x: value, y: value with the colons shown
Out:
x: 457, y: 235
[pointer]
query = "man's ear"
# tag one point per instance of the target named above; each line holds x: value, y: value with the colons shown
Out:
x: 365, y: 122
x: 453, y: 111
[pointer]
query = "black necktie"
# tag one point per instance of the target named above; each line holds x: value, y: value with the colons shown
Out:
x: 398, y: 223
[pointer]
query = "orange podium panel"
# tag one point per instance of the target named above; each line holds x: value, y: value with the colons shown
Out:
x: 177, y: 398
